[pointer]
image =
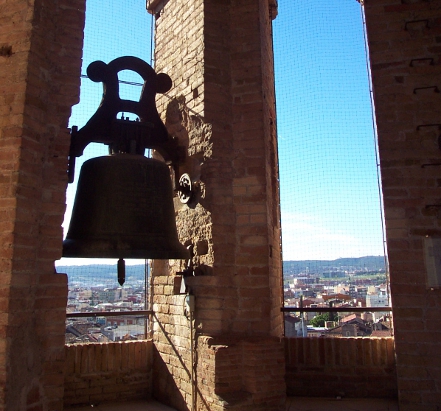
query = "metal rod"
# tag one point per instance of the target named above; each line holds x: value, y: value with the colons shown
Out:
x: 109, y: 313
x: 335, y: 309
x: 130, y: 83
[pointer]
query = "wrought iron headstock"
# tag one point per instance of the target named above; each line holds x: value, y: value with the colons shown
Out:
x: 123, y: 135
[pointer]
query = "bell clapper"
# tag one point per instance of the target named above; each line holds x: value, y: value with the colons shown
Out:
x: 121, y: 272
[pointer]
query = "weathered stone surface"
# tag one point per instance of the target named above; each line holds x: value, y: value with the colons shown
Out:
x: 40, y: 61
x: 404, y: 49
x: 222, y: 109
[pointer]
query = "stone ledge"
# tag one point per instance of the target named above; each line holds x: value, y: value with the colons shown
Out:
x: 155, y: 6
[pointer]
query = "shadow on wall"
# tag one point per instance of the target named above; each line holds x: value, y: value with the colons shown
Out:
x: 345, y: 367
x: 93, y: 372
x: 195, y: 134
x: 163, y: 379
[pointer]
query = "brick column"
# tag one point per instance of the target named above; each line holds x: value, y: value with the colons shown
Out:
x: 221, y: 107
x: 405, y: 49
x: 40, y: 60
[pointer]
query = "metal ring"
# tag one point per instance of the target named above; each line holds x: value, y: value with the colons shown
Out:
x: 185, y: 189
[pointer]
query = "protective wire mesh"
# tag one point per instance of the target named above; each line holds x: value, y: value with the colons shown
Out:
x: 332, y: 225
x: 327, y: 150
x: 114, y: 28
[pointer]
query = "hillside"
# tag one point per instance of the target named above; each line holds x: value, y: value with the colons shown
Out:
x: 368, y: 263
x: 101, y: 274
x: 95, y: 274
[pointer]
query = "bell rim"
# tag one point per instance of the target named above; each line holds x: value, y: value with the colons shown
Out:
x: 109, y: 249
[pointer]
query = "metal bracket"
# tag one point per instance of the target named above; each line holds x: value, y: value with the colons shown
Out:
x: 434, y: 88
x: 408, y: 23
x: 430, y: 165
x: 428, y: 125
x: 185, y: 189
x: 428, y: 60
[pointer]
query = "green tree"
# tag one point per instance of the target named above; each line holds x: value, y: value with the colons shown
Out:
x: 319, y: 320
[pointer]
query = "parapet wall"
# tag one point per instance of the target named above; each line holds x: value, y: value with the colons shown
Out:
x: 107, y: 372
x: 315, y: 367
x: 346, y: 367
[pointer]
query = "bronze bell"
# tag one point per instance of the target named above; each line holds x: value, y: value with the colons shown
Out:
x: 124, y: 209
x: 124, y: 202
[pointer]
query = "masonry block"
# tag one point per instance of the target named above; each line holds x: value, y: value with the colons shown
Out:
x: 404, y: 107
x: 33, y: 116
x: 220, y: 108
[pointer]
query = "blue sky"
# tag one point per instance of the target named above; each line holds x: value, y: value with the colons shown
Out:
x: 329, y: 193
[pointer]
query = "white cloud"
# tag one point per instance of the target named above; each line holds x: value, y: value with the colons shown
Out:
x: 308, y: 237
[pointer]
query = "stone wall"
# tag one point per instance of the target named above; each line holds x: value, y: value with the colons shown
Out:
x: 221, y: 108
x: 345, y: 367
x: 40, y: 61
x: 405, y: 49
x: 99, y: 373
x: 179, y: 52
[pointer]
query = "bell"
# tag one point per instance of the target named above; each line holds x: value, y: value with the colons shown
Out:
x: 124, y: 202
x: 124, y: 209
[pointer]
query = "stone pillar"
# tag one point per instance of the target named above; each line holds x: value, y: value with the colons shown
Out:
x: 40, y: 60
x: 405, y: 48
x: 222, y: 108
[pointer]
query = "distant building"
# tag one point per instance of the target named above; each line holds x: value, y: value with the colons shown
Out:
x: 351, y: 326
x: 293, y: 326
x: 336, y: 297
x: 304, y: 280
x: 334, y: 274
x: 377, y: 298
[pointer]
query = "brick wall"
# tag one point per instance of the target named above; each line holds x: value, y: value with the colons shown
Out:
x: 179, y: 53
x: 255, y: 179
x: 96, y: 373
x: 221, y: 108
x: 40, y: 60
x: 405, y: 49
x: 346, y: 367
x: 317, y: 367
x: 272, y: 168
x: 240, y: 374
